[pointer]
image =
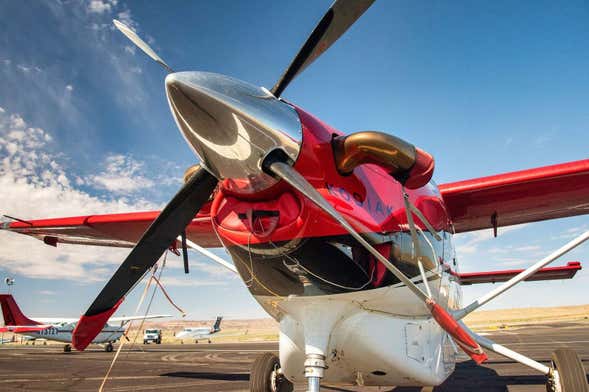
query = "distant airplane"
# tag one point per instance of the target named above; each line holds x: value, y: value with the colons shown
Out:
x: 198, y: 333
x: 60, y: 329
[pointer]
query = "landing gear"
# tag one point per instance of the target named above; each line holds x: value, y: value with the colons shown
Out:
x: 67, y: 348
x: 567, y: 373
x: 314, y: 371
x: 209, y: 341
x: 266, y: 375
x: 108, y: 348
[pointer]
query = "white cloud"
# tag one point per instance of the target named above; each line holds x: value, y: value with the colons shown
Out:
x: 101, y: 6
x: 122, y: 175
x: 189, y: 281
x: 36, y: 184
x: 69, y: 87
x: 469, y: 243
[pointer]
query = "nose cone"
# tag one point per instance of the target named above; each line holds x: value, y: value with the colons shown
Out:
x: 231, y: 125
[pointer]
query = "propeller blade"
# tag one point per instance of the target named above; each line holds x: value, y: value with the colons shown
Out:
x: 157, y: 238
x: 338, y: 18
x: 141, y: 44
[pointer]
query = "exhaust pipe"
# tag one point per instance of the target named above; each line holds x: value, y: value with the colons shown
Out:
x: 409, y: 165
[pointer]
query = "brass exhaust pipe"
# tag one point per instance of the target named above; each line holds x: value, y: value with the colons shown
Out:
x: 409, y: 165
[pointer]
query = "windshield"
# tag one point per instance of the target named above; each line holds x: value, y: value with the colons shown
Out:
x: 151, y: 331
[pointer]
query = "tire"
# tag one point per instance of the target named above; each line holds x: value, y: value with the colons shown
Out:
x: 108, y: 348
x: 145, y: 342
x: 262, y: 372
x: 571, y: 373
x: 67, y: 348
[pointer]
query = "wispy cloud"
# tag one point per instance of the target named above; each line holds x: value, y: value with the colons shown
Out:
x: 121, y: 175
x: 36, y: 183
x: 469, y: 243
x: 101, y: 6
x: 189, y: 281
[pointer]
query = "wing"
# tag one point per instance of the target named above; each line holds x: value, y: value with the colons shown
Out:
x: 118, y: 230
x: 549, y: 273
x: 524, y: 196
x: 131, y: 318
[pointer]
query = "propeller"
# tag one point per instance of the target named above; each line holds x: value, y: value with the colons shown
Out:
x: 339, y: 17
x: 170, y: 223
x: 141, y: 44
x: 195, y: 88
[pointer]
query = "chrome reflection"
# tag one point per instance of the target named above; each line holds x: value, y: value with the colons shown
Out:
x: 231, y: 125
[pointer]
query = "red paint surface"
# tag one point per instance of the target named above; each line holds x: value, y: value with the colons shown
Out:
x: 12, y: 313
x: 90, y: 326
x: 524, y: 196
x: 112, y: 229
x: 24, y: 329
x: 369, y: 198
x: 548, y: 273
x: 422, y: 171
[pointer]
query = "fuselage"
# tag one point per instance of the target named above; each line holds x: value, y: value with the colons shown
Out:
x: 195, y: 333
x: 62, y: 332
x: 302, y: 265
x: 290, y: 254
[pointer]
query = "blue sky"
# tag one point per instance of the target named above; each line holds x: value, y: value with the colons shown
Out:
x: 486, y: 87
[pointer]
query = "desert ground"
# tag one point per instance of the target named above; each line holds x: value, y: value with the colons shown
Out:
x: 266, y: 330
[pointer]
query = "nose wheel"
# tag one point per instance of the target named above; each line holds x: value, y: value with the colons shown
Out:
x: 108, y: 348
x: 567, y: 373
x: 266, y: 375
x: 67, y: 348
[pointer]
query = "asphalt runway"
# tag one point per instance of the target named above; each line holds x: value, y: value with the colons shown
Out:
x: 225, y: 367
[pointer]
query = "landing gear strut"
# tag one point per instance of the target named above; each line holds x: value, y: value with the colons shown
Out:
x: 266, y: 375
x: 567, y: 373
x: 108, y: 348
x: 314, y: 371
x: 67, y: 348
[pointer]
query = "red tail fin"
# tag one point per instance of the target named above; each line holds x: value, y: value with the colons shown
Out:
x: 12, y: 313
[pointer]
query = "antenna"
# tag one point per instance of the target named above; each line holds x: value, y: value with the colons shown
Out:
x: 9, y: 282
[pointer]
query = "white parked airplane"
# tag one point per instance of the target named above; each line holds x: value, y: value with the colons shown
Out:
x: 198, y: 333
x: 60, y: 329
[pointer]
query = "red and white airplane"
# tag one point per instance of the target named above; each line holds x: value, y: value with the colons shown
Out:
x: 60, y: 329
x: 344, y: 239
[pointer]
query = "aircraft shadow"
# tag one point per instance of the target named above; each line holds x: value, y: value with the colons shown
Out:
x: 210, y: 376
x: 468, y: 376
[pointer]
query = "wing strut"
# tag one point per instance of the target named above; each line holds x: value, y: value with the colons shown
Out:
x: 521, y: 276
x: 441, y: 315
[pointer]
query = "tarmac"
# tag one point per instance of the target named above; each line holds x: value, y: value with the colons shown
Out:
x: 225, y: 367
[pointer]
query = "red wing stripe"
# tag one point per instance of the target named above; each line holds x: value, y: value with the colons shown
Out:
x: 567, y: 271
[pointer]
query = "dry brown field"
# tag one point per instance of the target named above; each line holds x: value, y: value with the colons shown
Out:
x: 265, y: 330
